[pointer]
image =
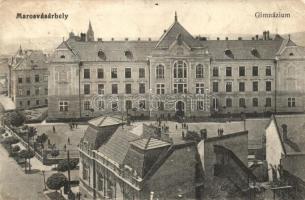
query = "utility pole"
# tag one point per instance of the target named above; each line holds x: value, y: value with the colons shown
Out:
x: 69, y: 178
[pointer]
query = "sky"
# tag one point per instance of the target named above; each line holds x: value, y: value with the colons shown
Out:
x: 143, y: 18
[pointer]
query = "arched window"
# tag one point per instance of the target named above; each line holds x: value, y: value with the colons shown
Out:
x: 128, y: 54
x: 101, y: 54
x: 180, y: 69
x: 199, y: 71
x: 160, y: 71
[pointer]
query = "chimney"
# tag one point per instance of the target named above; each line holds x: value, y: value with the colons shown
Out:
x: 285, y: 136
x: 203, y: 134
x: 264, y: 35
x: 227, y: 38
x: 99, y: 39
x: 256, y: 37
x: 164, y: 31
x: 126, y: 39
x: 149, y: 39
x: 112, y: 39
x: 253, y: 38
x: 139, y: 39
x: 268, y: 36
x: 83, y: 37
x: 240, y: 38
x: 217, y: 38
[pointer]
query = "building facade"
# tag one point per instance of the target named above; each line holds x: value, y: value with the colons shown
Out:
x: 28, y: 79
x: 177, y: 75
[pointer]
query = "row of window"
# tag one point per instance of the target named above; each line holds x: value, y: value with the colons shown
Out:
x: 37, y: 102
x: 242, y: 71
x: 180, y: 70
x: 114, y: 73
x: 242, y: 102
x: 38, y: 91
x: 268, y: 86
x: 114, y: 89
x: 28, y: 79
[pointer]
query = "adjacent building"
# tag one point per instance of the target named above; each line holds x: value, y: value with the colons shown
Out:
x: 285, y: 152
x: 179, y: 74
x: 28, y: 79
x: 137, y: 162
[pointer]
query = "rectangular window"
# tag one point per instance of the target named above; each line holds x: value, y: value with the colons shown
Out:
x: 242, y: 71
x: 29, y: 102
x: 37, y: 78
x: 37, y: 102
x: 20, y: 92
x: 114, y: 73
x: 28, y: 92
x: 160, y: 88
x: 228, y: 102
x: 199, y: 71
x: 242, y: 103
x: 291, y: 102
x: 128, y: 88
x: 255, y: 102
x: 100, y: 183
x: 45, y: 78
x: 36, y: 91
x: 255, y: 71
x: 128, y: 104
x: 127, y: 72
x: 63, y: 106
x: 20, y: 103
x: 160, y: 105
x: 85, y: 172
x: 46, y: 101
x: 241, y: 86
x: 28, y: 79
x: 200, y: 105
x: 268, y: 70
x: 101, y: 105
x: 114, y: 88
x: 100, y: 73
x: 142, y: 88
x: 141, y: 72
x: 86, y: 73
x: 100, y: 88
x: 180, y: 88
x: 215, y: 86
x: 114, y: 106
x: 268, y: 86
x: 268, y: 102
x: 46, y: 91
x: 87, y: 105
x: 255, y: 86
x: 229, y: 87
x: 215, y: 72
x: 199, y: 88
x: 19, y: 80
x: 228, y: 71
x: 87, y: 89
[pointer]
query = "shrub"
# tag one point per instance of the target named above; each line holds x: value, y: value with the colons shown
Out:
x: 64, y: 164
x: 2, y: 130
x: 11, y: 140
x: 55, y: 153
x: 16, y: 148
x: 56, y: 181
x: 14, y: 118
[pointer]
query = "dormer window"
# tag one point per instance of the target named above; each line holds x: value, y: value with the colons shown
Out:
x: 291, y: 54
x: 101, y: 54
x: 229, y: 53
x: 128, y: 54
x: 62, y: 56
x: 254, y: 52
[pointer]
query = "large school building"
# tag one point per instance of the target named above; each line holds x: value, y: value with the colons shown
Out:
x: 177, y: 75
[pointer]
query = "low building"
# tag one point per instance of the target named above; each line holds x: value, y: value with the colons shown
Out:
x: 28, y: 79
x: 225, y: 160
x: 137, y: 162
x: 285, y: 152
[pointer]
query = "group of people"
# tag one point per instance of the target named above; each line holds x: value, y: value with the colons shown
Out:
x: 72, y: 125
x: 220, y: 131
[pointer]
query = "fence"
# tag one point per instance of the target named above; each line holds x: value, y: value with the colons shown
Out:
x: 44, y: 155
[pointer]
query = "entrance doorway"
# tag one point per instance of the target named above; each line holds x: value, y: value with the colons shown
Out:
x: 180, y: 108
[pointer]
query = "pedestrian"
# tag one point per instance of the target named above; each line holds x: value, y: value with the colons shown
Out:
x: 54, y: 130
x: 68, y: 140
x: 75, y: 125
x: 176, y: 126
x: 65, y: 147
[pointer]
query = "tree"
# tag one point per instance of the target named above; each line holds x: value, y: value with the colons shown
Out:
x: 55, y: 152
x: 10, y: 141
x: 42, y: 139
x: 26, y: 154
x: 2, y: 130
x: 63, y: 165
x: 14, y: 118
x: 56, y: 181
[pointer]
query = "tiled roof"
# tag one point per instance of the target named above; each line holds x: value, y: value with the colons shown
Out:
x: 29, y: 59
x: 105, y: 121
x: 294, y: 164
x: 242, y: 49
x: 172, y: 33
x: 117, y: 146
x: 149, y: 143
x: 295, y: 132
x: 113, y: 50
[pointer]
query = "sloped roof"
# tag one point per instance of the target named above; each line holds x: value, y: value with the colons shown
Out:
x: 113, y: 50
x: 149, y: 143
x: 118, y: 144
x: 105, y: 121
x: 241, y: 49
x: 294, y: 164
x: 29, y: 59
x: 295, y: 132
x: 172, y: 33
